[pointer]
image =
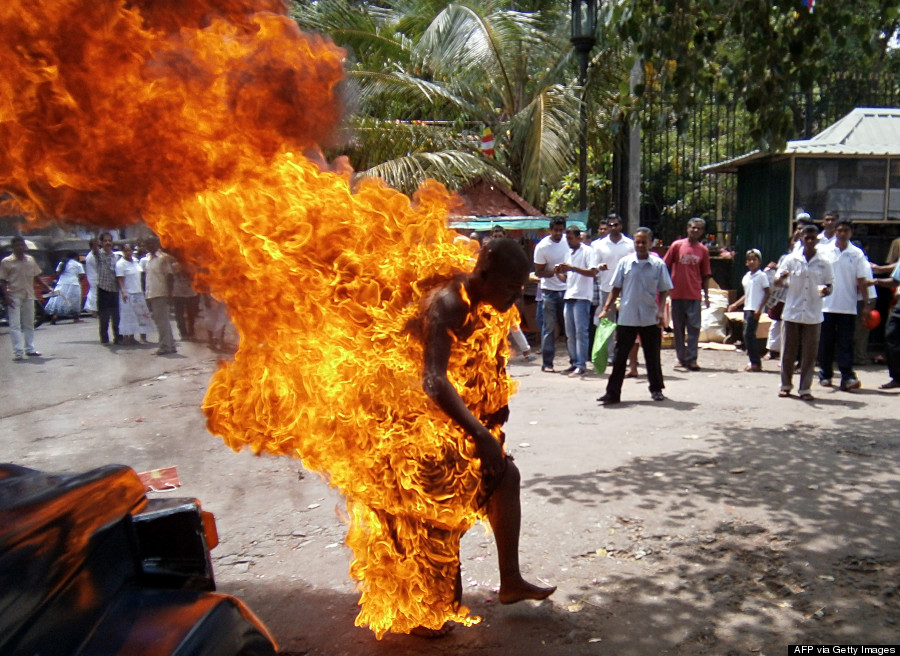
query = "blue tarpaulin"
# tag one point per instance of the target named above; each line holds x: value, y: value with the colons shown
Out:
x: 485, y: 223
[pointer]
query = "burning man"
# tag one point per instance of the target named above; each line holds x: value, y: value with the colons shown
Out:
x: 449, y: 318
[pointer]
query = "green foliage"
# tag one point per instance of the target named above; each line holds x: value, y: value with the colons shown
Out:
x: 758, y: 52
x: 425, y: 76
x: 504, y: 65
x: 565, y: 197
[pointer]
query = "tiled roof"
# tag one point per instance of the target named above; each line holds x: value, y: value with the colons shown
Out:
x: 484, y: 199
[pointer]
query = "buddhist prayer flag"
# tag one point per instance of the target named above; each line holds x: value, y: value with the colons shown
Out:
x: 487, y: 143
x: 810, y: 4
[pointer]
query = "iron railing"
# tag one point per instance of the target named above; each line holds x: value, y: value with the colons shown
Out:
x: 672, y: 187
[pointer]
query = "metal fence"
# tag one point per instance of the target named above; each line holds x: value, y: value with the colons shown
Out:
x: 672, y: 187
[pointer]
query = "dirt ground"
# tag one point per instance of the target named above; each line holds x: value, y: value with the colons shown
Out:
x: 722, y: 521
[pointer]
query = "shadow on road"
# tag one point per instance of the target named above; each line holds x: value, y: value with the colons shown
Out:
x: 823, y: 556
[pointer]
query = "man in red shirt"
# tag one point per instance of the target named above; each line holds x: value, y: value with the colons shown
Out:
x: 688, y: 262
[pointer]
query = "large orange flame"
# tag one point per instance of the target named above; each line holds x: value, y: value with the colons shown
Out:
x: 196, y: 117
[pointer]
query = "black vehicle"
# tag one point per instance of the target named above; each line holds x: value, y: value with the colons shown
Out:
x: 90, y: 567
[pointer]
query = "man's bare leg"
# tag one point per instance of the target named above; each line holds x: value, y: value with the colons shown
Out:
x: 505, y: 516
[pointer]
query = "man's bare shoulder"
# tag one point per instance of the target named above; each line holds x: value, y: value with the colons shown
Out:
x: 445, y: 306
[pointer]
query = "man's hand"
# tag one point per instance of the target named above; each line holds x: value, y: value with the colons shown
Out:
x: 661, y: 318
x: 489, y: 452
x: 707, y: 300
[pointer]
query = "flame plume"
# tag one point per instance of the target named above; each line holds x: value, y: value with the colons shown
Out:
x: 196, y: 117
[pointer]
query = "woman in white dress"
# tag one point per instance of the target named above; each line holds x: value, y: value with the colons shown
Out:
x: 93, y: 276
x: 66, y: 299
x: 134, y: 315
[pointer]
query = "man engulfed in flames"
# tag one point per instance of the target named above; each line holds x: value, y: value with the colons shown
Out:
x: 470, y: 466
x: 193, y: 116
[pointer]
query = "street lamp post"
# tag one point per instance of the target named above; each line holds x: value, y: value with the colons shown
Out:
x: 584, y: 25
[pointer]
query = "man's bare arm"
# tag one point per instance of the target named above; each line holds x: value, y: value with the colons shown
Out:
x: 543, y: 271
x: 445, y: 313
x: 604, y: 309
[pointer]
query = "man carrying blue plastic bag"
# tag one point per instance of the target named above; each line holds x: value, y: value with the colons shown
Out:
x: 643, y: 283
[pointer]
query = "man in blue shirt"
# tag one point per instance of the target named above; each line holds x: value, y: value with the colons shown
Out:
x: 642, y: 280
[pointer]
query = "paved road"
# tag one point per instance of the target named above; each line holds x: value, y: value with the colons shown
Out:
x: 724, y: 520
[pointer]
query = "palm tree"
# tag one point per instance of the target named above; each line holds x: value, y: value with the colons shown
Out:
x: 428, y: 75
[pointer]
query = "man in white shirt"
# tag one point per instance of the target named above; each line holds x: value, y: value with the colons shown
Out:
x: 808, y: 276
x: 802, y: 220
x: 851, y: 275
x: 579, y: 270
x: 829, y: 224
x: 160, y: 281
x: 549, y: 252
x: 610, y: 250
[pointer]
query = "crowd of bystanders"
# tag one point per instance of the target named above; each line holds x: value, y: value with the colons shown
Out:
x: 132, y: 290
x: 819, y: 297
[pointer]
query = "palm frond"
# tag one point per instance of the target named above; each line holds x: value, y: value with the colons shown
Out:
x: 453, y: 168
x: 366, y: 31
x: 542, y: 135
x: 461, y: 42
x: 399, y: 86
x: 371, y: 140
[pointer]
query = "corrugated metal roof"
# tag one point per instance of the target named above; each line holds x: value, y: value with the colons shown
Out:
x: 864, y: 132
x: 865, y: 128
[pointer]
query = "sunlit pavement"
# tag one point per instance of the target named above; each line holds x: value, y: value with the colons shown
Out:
x: 723, y: 519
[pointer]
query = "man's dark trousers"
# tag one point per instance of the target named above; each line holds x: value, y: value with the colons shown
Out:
x: 836, y: 339
x: 651, y: 342
x: 892, y: 343
x: 108, y: 308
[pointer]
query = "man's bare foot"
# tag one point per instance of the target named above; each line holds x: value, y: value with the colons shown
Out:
x: 510, y: 594
x: 425, y: 632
